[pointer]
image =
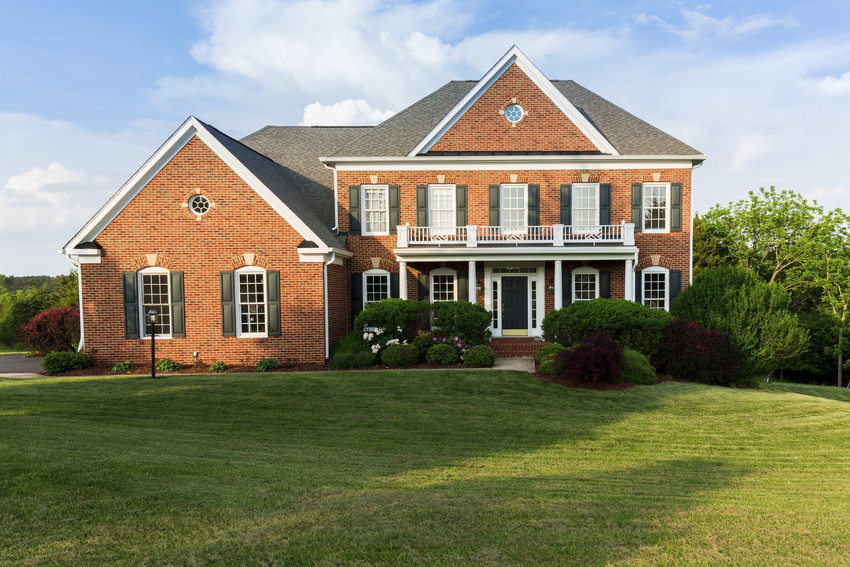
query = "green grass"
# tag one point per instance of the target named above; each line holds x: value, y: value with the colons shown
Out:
x: 417, y: 468
x: 15, y: 349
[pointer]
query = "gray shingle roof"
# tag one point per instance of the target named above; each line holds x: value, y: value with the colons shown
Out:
x: 275, y: 177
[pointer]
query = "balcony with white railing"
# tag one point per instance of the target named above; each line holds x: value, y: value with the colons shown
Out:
x: 472, y: 236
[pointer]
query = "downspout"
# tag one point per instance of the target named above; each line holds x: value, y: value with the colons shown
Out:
x: 76, y: 262
x: 325, y: 276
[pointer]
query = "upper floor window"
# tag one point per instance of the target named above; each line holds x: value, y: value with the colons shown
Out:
x: 376, y: 285
x: 656, y: 207
x: 585, y: 284
x: 441, y: 206
x: 514, y: 205
x: 252, y: 302
x: 375, y: 199
x: 154, y: 284
x: 656, y: 288
x: 585, y: 206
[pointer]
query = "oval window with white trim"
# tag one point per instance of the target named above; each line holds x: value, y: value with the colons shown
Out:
x: 199, y: 205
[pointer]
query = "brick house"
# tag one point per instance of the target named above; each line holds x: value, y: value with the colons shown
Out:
x: 514, y: 191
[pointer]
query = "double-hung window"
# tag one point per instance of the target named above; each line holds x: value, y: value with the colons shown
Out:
x: 443, y: 285
x: 441, y: 205
x: 514, y: 207
x: 585, y: 284
x: 376, y: 285
x: 656, y: 207
x: 375, y: 199
x: 252, y: 304
x: 656, y: 288
x: 585, y: 207
x: 155, y: 295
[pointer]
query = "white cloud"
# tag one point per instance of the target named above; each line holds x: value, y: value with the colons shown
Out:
x: 750, y: 148
x: 344, y: 113
x: 699, y: 26
x: 35, y: 179
x: 833, y: 86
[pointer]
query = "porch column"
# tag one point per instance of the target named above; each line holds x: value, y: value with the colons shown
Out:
x: 402, y: 279
x: 559, y: 296
x: 472, y: 278
x: 629, y: 282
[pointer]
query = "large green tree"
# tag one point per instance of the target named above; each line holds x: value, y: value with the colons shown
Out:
x: 707, y: 251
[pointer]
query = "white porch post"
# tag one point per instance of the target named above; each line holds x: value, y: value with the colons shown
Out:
x: 472, y: 278
x: 629, y: 282
x: 402, y: 279
x: 558, y: 285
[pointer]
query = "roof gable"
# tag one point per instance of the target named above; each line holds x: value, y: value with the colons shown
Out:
x: 514, y: 63
x: 257, y: 171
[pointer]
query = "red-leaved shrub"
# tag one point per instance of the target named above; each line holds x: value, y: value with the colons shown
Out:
x: 689, y: 352
x: 53, y: 330
x: 596, y: 359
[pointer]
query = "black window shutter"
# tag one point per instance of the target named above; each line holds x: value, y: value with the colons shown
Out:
x: 637, y: 197
x: 228, y: 305
x: 395, y: 213
x: 463, y: 286
x: 605, y: 204
x: 356, y: 294
x: 533, y: 205
x: 460, y: 205
x: 494, y: 205
x: 676, y: 208
x: 605, y: 284
x: 424, y: 292
x: 566, y: 204
x: 273, y: 281
x: 675, y: 286
x: 421, y: 205
x: 638, y: 287
x: 131, y: 306
x: 178, y: 306
x: 394, y: 285
x: 566, y: 287
x: 354, y: 209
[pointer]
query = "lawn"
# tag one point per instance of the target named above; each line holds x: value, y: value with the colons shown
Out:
x: 417, y: 468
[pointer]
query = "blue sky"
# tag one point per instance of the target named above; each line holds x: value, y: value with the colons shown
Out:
x: 91, y: 89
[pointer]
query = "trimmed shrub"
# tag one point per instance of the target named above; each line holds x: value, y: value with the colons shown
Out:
x: 396, y: 356
x: 125, y: 366
x: 55, y: 362
x: 362, y: 359
x: 479, y: 356
x: 397, y: 318
x: 595, y: 360
x: 547, y: 351
x: 638, y: 369
x: 167, y: 365
x: 53, y: 330
x: 547, y: 365
x: 344, y: 360
x: 689, y: 352
x: 352, y: 342
x: 422, y: 342
x: 442, y: 354
x: 630, y: 324
x: 267, y: 365
x: 218, y: 367
x: 340, y: 360
x: 469, y: 322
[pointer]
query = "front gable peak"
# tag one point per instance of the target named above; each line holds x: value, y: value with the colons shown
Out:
x: 510, y: 98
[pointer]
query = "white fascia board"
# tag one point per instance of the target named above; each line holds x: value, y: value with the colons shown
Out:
x: 541, y: 162
x: 80, y: 251
x: 190, y: 128
x: 514, y: 55
x: 515, y: 254
x: 324, y: 255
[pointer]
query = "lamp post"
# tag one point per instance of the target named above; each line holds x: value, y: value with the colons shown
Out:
x: 151, y: 315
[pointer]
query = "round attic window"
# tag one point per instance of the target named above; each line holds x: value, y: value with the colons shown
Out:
x: 514, y: 113
x: 199, y: 204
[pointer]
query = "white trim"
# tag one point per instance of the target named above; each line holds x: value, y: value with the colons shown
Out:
x: 539, y: 277
x: 524, y: 218
x: 667, y: 210
x: 656, y: 270
x: 453, y: 188
x: 250, y: 270
x: 577, y: 228
x: 542, y: 162
x: 323, y: 255
x: 507, y: 254
x: 584, y: 270
x: 442, y: 272
x: 363, y: 223
x: 514, y: 55
x: 143, y: 324
x: 376, y: 272
x: 190, y: 128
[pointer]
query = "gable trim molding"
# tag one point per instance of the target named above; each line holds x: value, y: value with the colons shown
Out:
x: 515, y: 56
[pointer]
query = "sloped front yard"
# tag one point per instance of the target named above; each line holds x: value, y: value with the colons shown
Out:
x: 417, y: 467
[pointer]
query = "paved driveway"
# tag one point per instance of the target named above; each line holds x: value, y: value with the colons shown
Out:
x: 17, y: 364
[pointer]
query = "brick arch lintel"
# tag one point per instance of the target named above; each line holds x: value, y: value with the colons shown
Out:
x: 646, y: 262
x: 249, y: 259
x: 152, y: 260
x: 366, y: 264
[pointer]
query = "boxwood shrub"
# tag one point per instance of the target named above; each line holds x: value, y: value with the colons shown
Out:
x: 467, y: 321
x: 55, y: 362
x: 442, y: 353
x: 638, y: 369
x: 397, y: 356
x: 479, y: 356
x: 548, y: 351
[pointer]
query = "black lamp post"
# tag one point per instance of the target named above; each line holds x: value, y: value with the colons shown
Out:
x: 151, y: 315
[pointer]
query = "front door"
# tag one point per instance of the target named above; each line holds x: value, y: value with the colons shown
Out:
x: 515, y: 305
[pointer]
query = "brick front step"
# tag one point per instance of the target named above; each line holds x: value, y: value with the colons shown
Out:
x: 515, y: 347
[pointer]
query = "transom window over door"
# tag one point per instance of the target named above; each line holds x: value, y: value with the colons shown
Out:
x: 252, y: 308
x: 156, y: 295
x: 585, y: 205
x: 655, y: 207
x: 514, y: 212
x: 375, y: 209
